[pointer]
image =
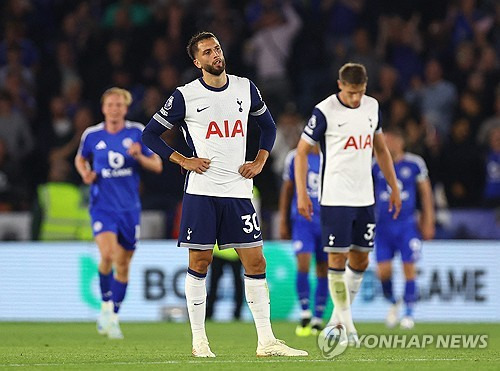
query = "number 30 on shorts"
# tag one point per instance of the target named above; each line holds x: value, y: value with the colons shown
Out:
x: 250, y: 223
x: 370, y: 231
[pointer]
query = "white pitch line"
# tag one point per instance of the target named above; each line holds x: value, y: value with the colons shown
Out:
x: 230, y: 361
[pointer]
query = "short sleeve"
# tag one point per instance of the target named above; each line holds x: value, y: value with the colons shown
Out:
x: 173, y: 111
x: 315, y: 128
x: 257, y: 105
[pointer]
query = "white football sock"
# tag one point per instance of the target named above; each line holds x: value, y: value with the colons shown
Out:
x: 340, y: 296
x: 353, y: 280
x: 257, y: 295
x: 196, y: 298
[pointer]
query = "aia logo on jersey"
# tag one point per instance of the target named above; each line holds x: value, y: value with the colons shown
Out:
x: 230, y: 131
x: 360, y: 142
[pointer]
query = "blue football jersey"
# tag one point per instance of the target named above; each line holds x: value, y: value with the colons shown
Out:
x: 313, y: 161
x: 117, y: 185
x: 409, y: 172
x: 492, y: 188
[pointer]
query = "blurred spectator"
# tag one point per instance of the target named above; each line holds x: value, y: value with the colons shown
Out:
x: 13, y: 190
x: 386, y: 88
x: 64, y: 147
x: 61, y: 213
x: 138, y: 13
x: 14, y: 35
x: 153, y: 99
x: 269, y: 49
x: 492, y: 187
x: 364, y: 53
x: 289, y: 129
x: 436, y: 99
x: 400, y: 44
x: 461, y: 167
x: 14, y: 66
x: 14, y: 129
x: 489, y: 124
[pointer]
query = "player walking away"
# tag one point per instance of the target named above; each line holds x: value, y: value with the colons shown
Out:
x: 348, y: 129
x: 108, y: 159
x: 402, y: 235
x: 306, y: 237
x: 212, y: 112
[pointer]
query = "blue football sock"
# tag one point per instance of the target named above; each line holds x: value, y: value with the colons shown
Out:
x: 410, y: 297
x: 303, y: 289
x: 321, y: 296
x: 105, y: 285
x: 118, y: 288
x: 387, y: 290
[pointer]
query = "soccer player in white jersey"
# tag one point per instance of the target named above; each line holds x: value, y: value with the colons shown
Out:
x: 348, y: 129
x: 212, y: 112
x: 109, y: 159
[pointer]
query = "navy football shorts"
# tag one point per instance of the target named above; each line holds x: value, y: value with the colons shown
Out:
x: 125, y: 224
x: 231, y: 222
x: 344, y: 228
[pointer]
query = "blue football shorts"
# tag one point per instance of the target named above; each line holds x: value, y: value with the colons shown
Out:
x: 125, y: 224
x: 231, y: 222
x: 345, y: 228
x: 306, y: 238
x: 395, y: 236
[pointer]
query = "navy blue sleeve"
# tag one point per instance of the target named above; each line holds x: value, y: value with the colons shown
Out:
x: 315, y: 128
x: 257, y: 105
x: 379, y: 125
x: 267, y: 130
x: 151, y: 136
x: 263, y: 118
x: 172, y: 113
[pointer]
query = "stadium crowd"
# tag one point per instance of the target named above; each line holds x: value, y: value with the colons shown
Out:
x: 434, y: 66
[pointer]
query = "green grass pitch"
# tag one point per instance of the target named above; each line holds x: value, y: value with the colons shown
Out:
x: 158, y: 346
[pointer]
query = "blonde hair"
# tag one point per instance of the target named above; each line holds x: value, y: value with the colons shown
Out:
x: 119, y: 91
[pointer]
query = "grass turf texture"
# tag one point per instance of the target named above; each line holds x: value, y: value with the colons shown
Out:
x: 68, y: 346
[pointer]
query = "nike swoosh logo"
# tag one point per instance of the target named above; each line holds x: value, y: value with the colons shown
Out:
x: 201, y: 109
x: 199, y: 303
x: 257, y: 235
x: 340, y: 125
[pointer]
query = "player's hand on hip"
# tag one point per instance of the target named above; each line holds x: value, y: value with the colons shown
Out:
x: 89, y: 177
x: 198, y: 165
x: 305, y: 206
x: 251, y: 169
x: 395, y: 204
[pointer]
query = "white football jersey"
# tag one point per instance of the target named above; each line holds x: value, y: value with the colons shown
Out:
x: 214, y: 123
x: 346, y: 140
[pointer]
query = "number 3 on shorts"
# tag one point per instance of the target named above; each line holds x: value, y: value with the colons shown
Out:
x: 370, y: 231
x: 250, y: 222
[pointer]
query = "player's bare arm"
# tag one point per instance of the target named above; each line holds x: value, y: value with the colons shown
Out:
x: 286, y: 196
x: 427, y: 219
x: 83, y: 168
x: 198, y: 165
x: 384, y: 160
x: 152, y: 163
x: 304, y: 204
x: 254, y: 168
